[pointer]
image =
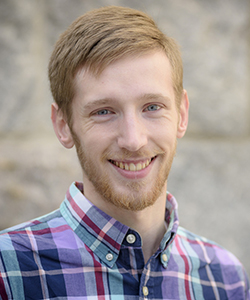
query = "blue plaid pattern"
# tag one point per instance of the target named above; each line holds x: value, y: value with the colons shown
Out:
x: 79, y: 252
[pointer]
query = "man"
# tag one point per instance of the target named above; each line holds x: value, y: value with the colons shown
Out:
x: 117, y: 84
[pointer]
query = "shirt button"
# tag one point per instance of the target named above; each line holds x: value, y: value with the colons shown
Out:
x: 130, y: 238
x: 145, y: 291
x: 164, y: 257
x: 109, y: 256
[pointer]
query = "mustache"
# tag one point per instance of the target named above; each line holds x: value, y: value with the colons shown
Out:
x: 124, y: 154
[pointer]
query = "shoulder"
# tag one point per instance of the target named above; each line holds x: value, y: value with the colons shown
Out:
x: 18, y: 247
x: 214, y: 264
x: 20, y: 236
x: 206, y: 250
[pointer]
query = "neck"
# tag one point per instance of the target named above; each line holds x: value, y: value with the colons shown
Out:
x: 150, y: 224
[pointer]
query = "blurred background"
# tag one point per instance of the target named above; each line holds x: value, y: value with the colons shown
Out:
x: 211, y: 172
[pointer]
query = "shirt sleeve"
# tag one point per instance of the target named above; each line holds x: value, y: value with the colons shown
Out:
x: 247, y: 287
x: 3, y: 292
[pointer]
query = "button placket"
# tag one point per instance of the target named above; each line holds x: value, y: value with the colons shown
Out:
x: 145, y: 291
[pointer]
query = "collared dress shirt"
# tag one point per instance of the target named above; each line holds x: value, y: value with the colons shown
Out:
x: 78, y: 252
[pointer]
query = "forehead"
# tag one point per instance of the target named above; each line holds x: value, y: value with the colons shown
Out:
x: 149, y: 74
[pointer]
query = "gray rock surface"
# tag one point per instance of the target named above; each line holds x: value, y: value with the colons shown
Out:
x: 211, y: 172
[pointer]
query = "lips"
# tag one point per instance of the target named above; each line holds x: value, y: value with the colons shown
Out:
x: 132, y: 166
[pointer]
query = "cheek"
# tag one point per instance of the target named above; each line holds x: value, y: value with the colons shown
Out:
x: 165, y: 136
x: 95, y: 146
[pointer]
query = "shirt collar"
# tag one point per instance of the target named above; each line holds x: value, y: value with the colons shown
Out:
x: 172, y: 220
x: 101, y: 233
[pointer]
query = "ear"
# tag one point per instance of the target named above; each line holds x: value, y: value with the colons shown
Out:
x: 183, y: 115
x: 61, y: 127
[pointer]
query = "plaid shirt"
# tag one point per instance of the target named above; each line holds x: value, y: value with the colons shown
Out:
x: 79, y: 252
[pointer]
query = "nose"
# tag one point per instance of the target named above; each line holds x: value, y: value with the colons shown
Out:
x: 132, y: 133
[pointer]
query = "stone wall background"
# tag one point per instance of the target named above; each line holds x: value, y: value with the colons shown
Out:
x: 211, y: 173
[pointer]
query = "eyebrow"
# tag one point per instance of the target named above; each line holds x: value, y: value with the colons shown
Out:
x: 152, y: 96
x: 98, y: 102
x: 108, y: 101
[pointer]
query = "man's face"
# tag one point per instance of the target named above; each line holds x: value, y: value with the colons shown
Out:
x: 125, y: 127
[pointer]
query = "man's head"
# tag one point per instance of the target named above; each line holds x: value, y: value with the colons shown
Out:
x: 117, y: 83
x: 101, y: 37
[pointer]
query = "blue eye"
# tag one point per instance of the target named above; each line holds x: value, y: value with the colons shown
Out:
x: 152, y: 107
x: 103, y: 112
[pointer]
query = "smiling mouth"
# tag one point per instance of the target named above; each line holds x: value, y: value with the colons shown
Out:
x: 132, y: 166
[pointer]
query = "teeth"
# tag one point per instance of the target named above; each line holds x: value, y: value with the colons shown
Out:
x: 138, y: 167
x: 131, y: 166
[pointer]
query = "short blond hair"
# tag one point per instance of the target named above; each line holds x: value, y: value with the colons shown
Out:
x: 100, y: 37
